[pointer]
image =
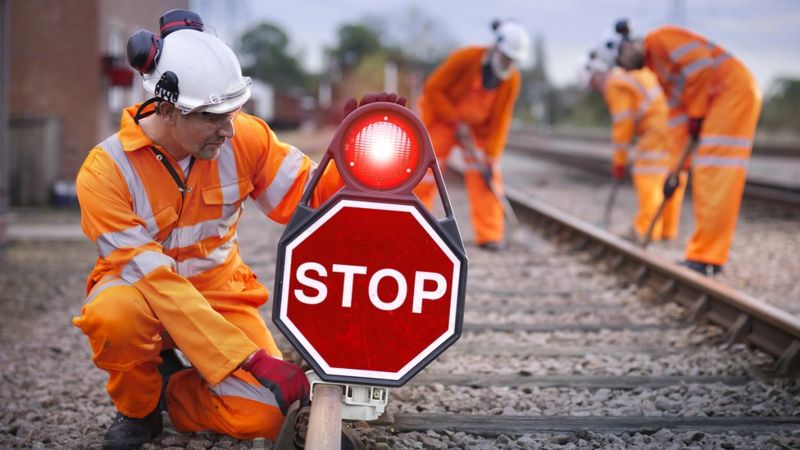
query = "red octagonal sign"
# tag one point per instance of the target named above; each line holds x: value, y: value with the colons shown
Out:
x: 370, y: 291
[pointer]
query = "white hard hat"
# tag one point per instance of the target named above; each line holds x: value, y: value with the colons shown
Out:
x: 197, y: 72
x: 603, y: 57
x: 513, y: 40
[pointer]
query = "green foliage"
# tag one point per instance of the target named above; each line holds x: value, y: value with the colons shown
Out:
x: 266, y: 49
x: 781, y: 111
x: 356, y: 41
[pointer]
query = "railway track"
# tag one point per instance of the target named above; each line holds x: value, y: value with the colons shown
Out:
x: 586, y: 156
x: 575, y: 337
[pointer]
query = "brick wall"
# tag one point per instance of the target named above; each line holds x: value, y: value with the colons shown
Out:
x: 56, y: 64
x: 55, y: 72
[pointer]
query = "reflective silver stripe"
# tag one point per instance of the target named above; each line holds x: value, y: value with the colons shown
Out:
x: 144, y: 263
x: 311, y: 173
x: 651, y: 155
x: 132, y: 237
x: 284, y: 179
x: 228, y: 179
x: 720, y: 161
x: 141, y: 204
x: 234, y: 387
x: 682, y: 50
x: 721, y: 59
x: 676, y: 91
x: 648, y: 170
x: 697, y: 65
x: 620, y: 116
x: 188, y: 235
x: 648, y: 94
x: 677, y: 120
x: 103, y: 285
x: 194, y: 266
x: 727, y: 141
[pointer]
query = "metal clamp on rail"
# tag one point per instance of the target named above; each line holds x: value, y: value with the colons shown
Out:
x: 359, y: 401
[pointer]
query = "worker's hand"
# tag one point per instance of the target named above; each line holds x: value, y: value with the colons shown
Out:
x: 695, y: 125
x: 351, y: 104
x: 618, y: 172
x: 286, y: 381
x: 670, y: 184
x: 463, y: 132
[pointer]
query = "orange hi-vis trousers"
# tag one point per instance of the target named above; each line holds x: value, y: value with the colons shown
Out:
x: 126, y: 338
x: 486, y: 211
x: 719, y: 167
x: 650, y: 168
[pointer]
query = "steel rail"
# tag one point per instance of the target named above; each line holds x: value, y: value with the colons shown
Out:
x: 494, y: 425
x: 761, y: 190
x: 745, y: 318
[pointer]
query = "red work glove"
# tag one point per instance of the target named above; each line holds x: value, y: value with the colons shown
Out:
x: 287, y: 381
x: 618, y: 172
x: 695, y: 124
x: 351, y: 104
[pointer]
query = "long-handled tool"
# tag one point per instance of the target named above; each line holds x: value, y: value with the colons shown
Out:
x: 486, y: 173
x: 612, y: 197
x: 670, y: 185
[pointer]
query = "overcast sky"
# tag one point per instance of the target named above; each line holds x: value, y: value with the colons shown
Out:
x: 765, y: 34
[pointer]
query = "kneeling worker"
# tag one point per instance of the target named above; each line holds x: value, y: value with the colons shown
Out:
x: 161, y: 199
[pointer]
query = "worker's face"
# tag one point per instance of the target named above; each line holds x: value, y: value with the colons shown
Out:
x: 631, y: 55
x: 203, y: 134
x: 501, y: 64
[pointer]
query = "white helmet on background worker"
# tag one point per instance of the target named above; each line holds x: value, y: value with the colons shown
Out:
x: 601, y: 59
x: 513, y: 40
x: 185, y: 66
x: 511, y: 46
x: 604, y: 57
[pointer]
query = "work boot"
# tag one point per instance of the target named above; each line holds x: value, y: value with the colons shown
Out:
x: 493, y: 246
x: 127, y: 433
x: 706, y: 269
x: 295, y: 427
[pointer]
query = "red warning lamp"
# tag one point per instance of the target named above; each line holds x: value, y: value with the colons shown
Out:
x: 381, y: 150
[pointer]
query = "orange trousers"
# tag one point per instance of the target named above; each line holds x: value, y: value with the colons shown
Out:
x: 486, y: 211
x: 719, y: 167
x: 126, y: 338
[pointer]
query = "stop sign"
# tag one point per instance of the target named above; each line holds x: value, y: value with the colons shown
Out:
x: 369, y: 291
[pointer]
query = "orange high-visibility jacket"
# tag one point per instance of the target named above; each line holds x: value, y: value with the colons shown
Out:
x: 451, y: 82
x: 686, y: 65
x: 176, y: 247
x: 638, y: 108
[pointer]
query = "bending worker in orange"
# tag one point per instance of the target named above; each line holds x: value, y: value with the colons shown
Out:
x: 639, y: 112
x: 472, y: 94
x: 161, y: 199
x: 721, y: 102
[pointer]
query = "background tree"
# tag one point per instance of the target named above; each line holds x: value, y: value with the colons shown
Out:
x: 781, y: 111
x: 355, y: 42
x: 266, y: 51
